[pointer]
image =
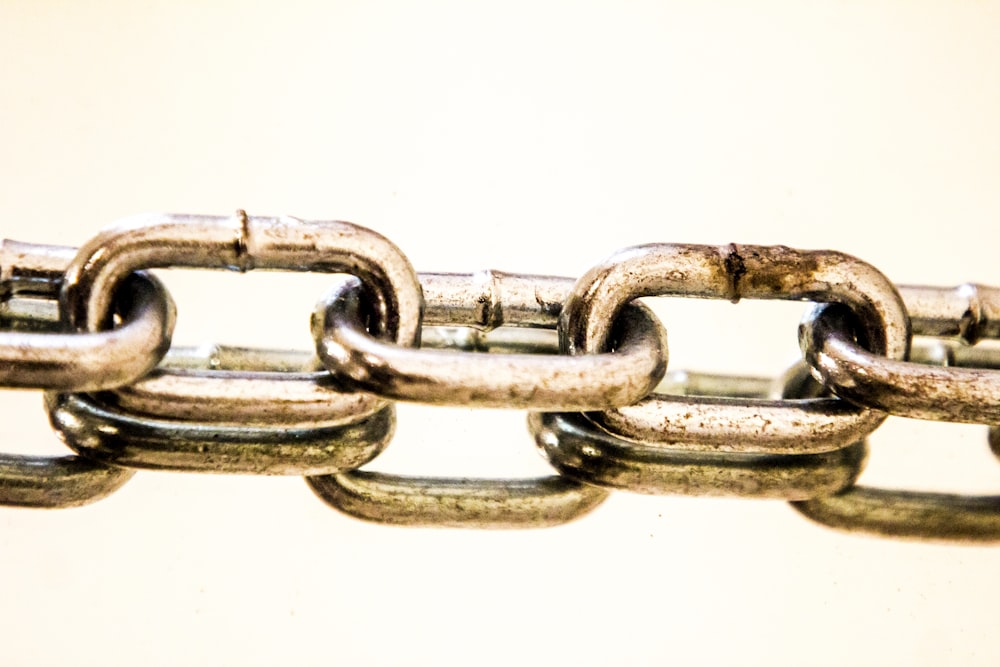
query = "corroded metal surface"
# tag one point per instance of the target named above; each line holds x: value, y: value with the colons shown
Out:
x: 735, y: 272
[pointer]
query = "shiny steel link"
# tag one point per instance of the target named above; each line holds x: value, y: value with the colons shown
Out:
x: 255, y: 422
x: 459, y: 503
x: 211, y: 419
x: 505, y: 381
x: 57, y: 359
x: 233, y: 386
x: 105, y: 434
x: 581, y: 450
x: 181, y: 431
x: 242, y: 243
x: 906, y: 514
x: 736, y: 272
x: 910, y: 389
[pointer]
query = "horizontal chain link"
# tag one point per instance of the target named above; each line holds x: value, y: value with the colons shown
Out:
x: 733, y: 273
x: 579, y: 448
x: 589, y: 362
x: 550, y: 382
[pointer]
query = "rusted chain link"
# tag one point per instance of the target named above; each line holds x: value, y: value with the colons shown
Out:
x: 90, y: 328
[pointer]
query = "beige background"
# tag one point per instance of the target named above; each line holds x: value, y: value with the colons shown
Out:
x: 539, y: 137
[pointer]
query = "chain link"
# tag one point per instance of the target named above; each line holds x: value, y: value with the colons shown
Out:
x: 550, y: 382
x: 93, y: 330
x: 579, y: 448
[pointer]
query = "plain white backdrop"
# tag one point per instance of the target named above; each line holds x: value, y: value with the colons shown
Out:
x: 522, y: 136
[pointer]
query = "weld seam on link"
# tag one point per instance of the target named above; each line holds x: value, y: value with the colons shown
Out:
x: 969, y: 312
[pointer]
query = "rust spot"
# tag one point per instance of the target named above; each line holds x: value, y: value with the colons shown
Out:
x: 244, y: 262
x: 735, y: 270
x: 967, y: 327
x: 483, y: 310
x: 551, y: 308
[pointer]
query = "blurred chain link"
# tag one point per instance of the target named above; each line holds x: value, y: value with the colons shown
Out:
x: 588, y: 361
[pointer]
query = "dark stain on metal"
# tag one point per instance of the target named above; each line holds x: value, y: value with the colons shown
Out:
x: 244, y: 262
x: 735, y: 270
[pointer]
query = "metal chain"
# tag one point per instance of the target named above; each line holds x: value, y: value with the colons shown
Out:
x: 93, y: 331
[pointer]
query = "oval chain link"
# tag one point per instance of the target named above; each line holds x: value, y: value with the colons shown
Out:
x: 170, y: 420
x: 56, y: 481
x: 176, y: 432
x: 242, y: 243
x: 660, y: 423
x: 446, y: 377
x: 226, y: 385
x: 452, y: 502
x: 577, y: 447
